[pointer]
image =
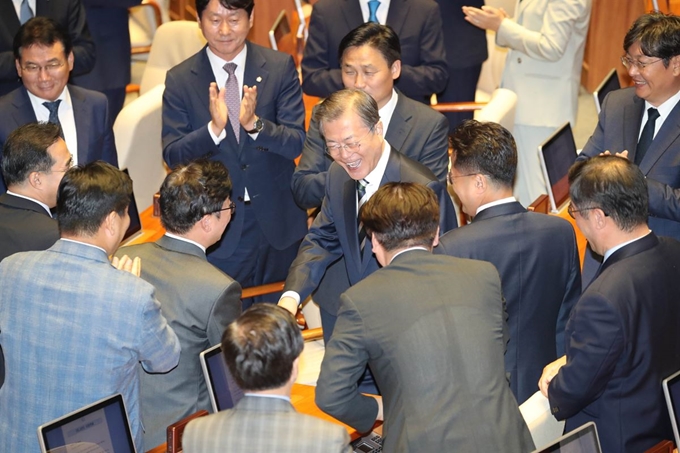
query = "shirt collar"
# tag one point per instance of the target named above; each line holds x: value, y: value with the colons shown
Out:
x: 410, y: 249
x: 217, y: 63
x: 262, y: 395
x: 84, y: 243
x: 495, y: 203
x: 65, y: 97
x: 180, y: 238
x: 611, y: 251
x: 387, y: 110
x: 376, y: 175
x: 665, y: 108
x: 45, y: 207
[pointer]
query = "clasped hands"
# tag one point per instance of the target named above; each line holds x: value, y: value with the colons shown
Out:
x: 220, y: 113
x: 127, y: 264
x: 486, y: 17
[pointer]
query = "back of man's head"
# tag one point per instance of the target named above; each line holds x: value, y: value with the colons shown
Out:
x: 41, y: 31
x: 25, y: 151
x: 658, y: 35
x: 380, y: 37
x: 261, y: 346
x: 88, y: 194
x: 486, y: 148
x: 348, y: 100
x: 192, y: 191
x: 613, y: 184
x: 402, y: 214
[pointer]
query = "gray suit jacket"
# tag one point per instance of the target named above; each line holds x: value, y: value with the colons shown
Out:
x: 24, y: 226
x: 199, y: 301
x: 431, y: 328
x: 416, y: 130
x: 262, y: 424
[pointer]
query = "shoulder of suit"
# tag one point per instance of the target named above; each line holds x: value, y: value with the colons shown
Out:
x: 419, y: 110
x: 417, y: 172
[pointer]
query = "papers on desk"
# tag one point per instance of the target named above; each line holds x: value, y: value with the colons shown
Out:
x: 543, y: 426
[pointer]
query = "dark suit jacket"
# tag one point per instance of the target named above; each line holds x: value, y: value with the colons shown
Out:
x: 621, y: 342
x: 465, y: 44
x: 431, y: 328
x: 264, y: 166
x: 70, y: 14
x: 617, y: 130
x: 90, y: 111
x: 24, y: 226
x: 334, y: 233
x: 418, y: 131
x: 418, y: 24
x: 537, y: 259
x: 199, y: 301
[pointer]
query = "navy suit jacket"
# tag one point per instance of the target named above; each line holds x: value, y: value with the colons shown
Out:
x: 418, y: 24
x: 70, y: 14
x: 621, y: 342
x: 617, y: 130
x: 24, y: 226
x: 418, y: 131
x: 264, y: 166
x: 537, y: 259
x: 90, y: 111
x: 334, y: 233
x: 465, y: 44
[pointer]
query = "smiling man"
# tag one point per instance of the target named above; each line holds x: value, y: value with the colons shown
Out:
x: 43, y: 54
x: 241, y: 104
x: 364, y: 161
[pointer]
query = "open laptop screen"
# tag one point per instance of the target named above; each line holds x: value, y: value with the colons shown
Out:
x: 557, y: 155
x: 610, y: 83
x: 581, y: 440
x: 223, y: 390
x: 671, y: 389
x: 102, y: 426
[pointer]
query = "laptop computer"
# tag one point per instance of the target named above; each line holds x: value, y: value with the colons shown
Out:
x: 223, y: 390
x: 583, y: 439
x: 610, y: 83
x: 135, y: 228
x: 102, y: 426
x: 671, y: 389
x: 557, y: 154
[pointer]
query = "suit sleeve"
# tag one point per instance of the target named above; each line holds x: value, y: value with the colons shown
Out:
x: 551, y: 41
x: 595, y: 343
x: 664, y: 201
x: 8, y: 70
x: 595, y: 144
x: 225, y: 309
x: 572, y: 294
x: 447, y: 214
x: 159, y: 347
x: 344, y: 363
x: 309, y: 178
x: 431, y: 75
x: 83, y: 47
x: 317, y: 77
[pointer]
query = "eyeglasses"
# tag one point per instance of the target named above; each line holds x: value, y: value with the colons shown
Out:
x: 628, y: 62
x: 50, y: 68
x: 69, y: 165
x: 571, y: 210
x: 451, y: 179
x: 334, y: 149
x: 231, y: 208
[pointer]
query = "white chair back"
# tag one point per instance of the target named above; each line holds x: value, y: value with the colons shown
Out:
x: 500, y: 109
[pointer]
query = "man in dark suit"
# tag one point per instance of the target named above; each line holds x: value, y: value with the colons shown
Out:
x: 418, y: 24
x: 535, y: 254
x: 109, y: 24
x: 257, y: 138
x: 70, y: 14
x: 44, y: 59
x: 371, y: 61
x: 351, y: 126
x: 198, y: 300
x: 621, y: 338
x: 432, y: 329
x: 34, y: 160
x: 466, y: 50
x: 653, y: 62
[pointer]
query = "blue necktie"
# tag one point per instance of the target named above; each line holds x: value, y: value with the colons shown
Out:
x: 53, y: 107
x: 372, y: 8
x: 25, y: 12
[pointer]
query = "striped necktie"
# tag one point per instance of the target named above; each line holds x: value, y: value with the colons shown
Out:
x: 362, y: 184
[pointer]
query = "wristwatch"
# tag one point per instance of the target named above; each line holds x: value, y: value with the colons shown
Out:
x: 257, y: 126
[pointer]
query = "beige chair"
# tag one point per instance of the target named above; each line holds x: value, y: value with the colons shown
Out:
x: 145, y: 19
x: 138, y: 139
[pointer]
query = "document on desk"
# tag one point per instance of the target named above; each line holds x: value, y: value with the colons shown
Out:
x: 543, y: 426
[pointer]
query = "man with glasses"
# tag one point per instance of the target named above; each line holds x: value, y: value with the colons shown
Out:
x: 621, y: 339
x: 363, y: 161
x: 642, y: 122
x: 197, y: 299
x: 535, y: 254
x: 44, y: 58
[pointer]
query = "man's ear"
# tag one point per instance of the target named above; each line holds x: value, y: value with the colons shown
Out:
x: 35, y: 180
x: 396, y: 69
x: 480, y: 183
x: 110, y: 223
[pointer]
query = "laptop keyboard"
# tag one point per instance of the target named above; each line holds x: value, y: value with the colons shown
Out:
x: 371, y: 443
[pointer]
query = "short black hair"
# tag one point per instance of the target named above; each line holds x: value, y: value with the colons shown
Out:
x: 260, y: 347
x: 191, y: 191
x: 89, y: 193
x: 613, y: 184
x: 381, y: 37
x: 658, y: 35
x: 248, y: 5
x: 486, y: 148
x: 25, y: 151
x: 41, y: 31
x: 402, y: 214
x: 335, y: 105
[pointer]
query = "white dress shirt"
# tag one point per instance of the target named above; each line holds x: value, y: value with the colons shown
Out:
x: 66, y: 119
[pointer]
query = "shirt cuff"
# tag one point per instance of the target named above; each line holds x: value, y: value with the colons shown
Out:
x: 292, y: 294
x: 216, y: 138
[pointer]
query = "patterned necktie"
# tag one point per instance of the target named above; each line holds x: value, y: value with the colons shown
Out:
x: 233, y: 99
x: 25, y: 12
x: 53, y: 107
x: 647, y: 135
x: 372, y: 8
x: 361, y: 197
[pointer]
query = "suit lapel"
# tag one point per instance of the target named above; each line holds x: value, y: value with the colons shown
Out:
x: 82, y: 120
x: 400, y: 124
x: 351, y: 11
x: 641, y: 245
x: 254, y: 74
x: 204, y: 76
x: 11, y: 21
x: 24, y: 109
x: 43, y: 8
x: 500, y: 210
x: 397, y: 14
x: 631, y: 125
x: 669, y: 132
